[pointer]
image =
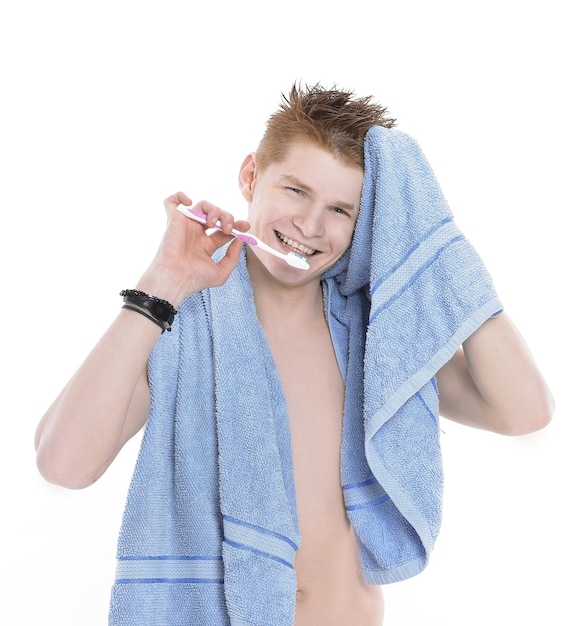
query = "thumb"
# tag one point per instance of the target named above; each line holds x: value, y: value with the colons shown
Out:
x: 230, y: 259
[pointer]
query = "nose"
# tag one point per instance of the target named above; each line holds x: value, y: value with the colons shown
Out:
x: 310, y: 221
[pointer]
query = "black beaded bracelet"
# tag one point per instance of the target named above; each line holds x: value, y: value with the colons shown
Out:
x: 159, y: 311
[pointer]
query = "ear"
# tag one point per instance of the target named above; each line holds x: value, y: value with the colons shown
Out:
x: 248, y: 176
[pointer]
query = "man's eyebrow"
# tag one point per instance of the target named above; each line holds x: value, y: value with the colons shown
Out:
x: 295, y: 182
x: 292, y: 180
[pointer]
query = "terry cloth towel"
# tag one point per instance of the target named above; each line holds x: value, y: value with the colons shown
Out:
x: 210, y: 528
x: 426, y: 291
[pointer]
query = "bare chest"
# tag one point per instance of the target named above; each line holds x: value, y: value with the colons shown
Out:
x: 314, y: 392
x: 330, y: 587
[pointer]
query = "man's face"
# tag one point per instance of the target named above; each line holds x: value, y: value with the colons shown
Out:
x: 308, y: 203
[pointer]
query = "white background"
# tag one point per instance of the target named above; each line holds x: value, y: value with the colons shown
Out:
x: 108, y: 107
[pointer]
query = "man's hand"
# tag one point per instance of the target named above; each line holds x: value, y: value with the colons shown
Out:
x: 183, y: 263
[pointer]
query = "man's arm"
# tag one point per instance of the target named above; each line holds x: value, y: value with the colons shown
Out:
x: 101, y: 408
x: 107, y: 400
x: 493, y: 383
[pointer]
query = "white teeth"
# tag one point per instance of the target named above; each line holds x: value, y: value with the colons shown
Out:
x: 296, y: 246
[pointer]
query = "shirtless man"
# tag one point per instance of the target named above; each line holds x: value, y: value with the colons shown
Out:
x: 306, y: 198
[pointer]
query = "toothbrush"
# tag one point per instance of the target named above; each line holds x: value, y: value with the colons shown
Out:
x: 292, y: 258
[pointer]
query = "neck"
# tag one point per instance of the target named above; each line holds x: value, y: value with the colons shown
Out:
x: 278, y: 302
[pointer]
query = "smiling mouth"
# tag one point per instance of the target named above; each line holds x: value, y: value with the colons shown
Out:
x: 294, y: 245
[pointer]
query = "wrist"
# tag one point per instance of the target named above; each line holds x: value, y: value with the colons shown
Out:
x: 163, y: 285
x: 157, y: 310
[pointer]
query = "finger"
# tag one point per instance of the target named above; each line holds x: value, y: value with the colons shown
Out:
x: 178, y: 198
x: 242, y: 225
x: 228, y: 222
x: 214, y: 215
x: 218, y: 238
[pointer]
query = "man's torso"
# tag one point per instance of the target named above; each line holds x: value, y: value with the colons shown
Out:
x: 330, y: 586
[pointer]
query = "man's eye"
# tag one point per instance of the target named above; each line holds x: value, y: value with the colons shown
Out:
x: 294, y: 190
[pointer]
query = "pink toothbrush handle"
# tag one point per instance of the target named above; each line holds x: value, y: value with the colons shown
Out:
x: 201, y: 218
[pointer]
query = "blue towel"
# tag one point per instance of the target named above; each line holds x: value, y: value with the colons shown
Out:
x: 426, y: 291
x: 210, y: 529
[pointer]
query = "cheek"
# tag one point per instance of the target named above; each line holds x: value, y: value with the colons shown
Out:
x: 265, y: 210
x: 254, y: 214
x: 344, y: 239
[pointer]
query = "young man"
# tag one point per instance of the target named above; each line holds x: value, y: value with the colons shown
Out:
x: 204, y: 540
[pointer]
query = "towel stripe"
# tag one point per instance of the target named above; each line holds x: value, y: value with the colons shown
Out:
x: 157, y: 569
x: 364, y: 494
x: 258, y: 540
x: 266, y: 555
x: 429, y: 233
x: 413, y: 264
